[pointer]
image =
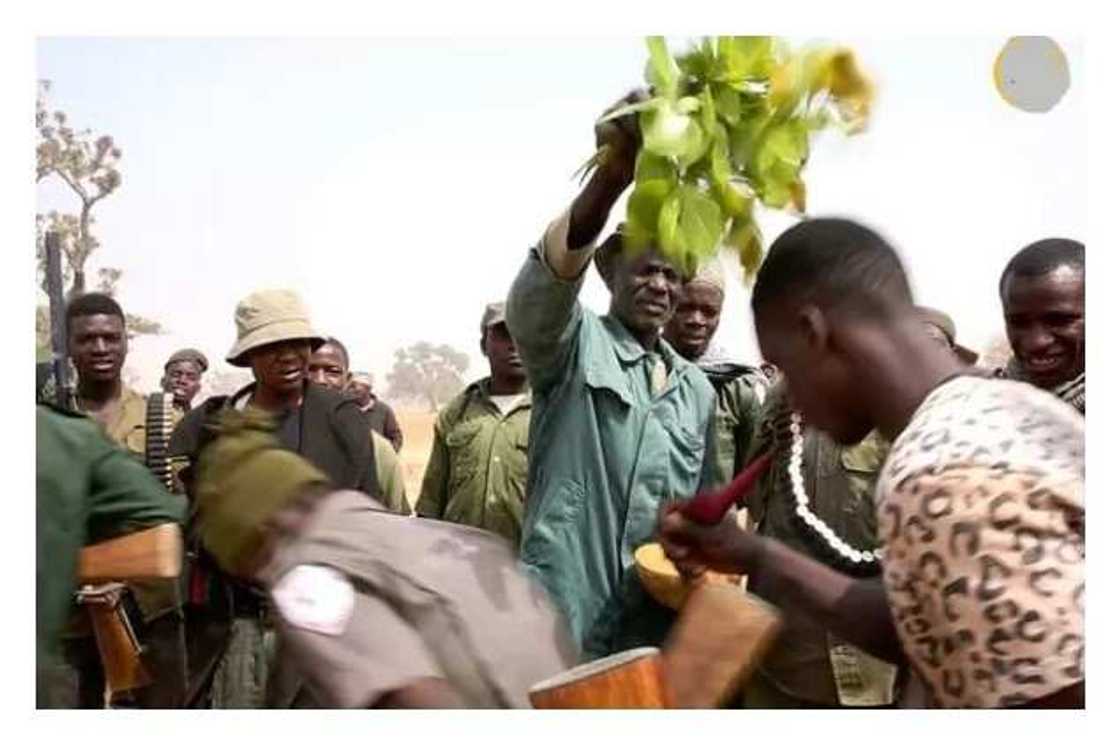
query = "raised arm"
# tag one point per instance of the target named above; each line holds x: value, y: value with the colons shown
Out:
x: 543, y: 313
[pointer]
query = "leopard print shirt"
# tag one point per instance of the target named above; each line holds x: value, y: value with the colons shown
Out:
x: 981, y: 515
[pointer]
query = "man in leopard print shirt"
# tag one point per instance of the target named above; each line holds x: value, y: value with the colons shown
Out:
x: 980, y: 503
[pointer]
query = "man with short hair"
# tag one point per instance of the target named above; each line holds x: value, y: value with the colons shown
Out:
x: 740, y: 389
x: 1043, y: 294
x: 377, y: 412
x: 620, y: 420
x: 329, y: 366
x: 477, y: 469
x: 980, y: 504
x: 98, y: 344
x: 182, y: 377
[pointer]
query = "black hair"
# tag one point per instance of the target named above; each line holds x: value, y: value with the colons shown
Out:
x: 1042, y: 257
x: 332, y: 341
x: 92, y: 303
x: 833, y: 261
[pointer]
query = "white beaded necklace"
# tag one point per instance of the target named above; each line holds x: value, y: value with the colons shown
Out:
x: 863, y: 559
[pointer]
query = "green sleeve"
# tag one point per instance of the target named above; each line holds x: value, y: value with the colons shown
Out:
x: 737, y: 415
x: 389, y: 475
x: 124, y: 497
x: 433, y: 491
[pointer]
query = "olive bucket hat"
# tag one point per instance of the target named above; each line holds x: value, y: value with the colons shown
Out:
x: 266, y: 317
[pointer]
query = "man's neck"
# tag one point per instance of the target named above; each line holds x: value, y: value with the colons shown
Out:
x: 647, y: 339
x: 901, y: 375
x: 276, y: 402
x: 96, y: 394
x: 507, y: 386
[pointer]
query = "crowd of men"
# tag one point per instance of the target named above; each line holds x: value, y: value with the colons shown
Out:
x: 921, y: 523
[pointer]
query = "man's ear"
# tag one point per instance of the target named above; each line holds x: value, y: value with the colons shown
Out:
x: 813, y: 329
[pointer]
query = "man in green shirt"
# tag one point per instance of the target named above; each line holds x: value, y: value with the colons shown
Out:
x: 476, y: 472
x: 620, y: 421
x: 740, y: 389
x: 86, y: 490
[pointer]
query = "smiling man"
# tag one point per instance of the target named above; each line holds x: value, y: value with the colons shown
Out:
x: 182, y: 377
x: 275, y: 339
x: 1043, y: 295
x: 620, y: 420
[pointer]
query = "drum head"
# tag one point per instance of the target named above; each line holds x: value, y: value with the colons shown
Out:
x: 592, y: 668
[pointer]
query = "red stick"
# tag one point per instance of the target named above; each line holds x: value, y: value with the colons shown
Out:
x: 710, y: 506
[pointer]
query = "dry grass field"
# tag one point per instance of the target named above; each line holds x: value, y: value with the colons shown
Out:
x: 416, y: 423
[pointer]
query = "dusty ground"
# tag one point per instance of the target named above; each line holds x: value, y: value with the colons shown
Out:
x: 417, y: 427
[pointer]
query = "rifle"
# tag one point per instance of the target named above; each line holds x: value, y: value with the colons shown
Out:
x: 60, y: 362
x: 154, y: 553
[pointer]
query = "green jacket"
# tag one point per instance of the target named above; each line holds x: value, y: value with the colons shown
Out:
x: 807, y: 663
x: 479, y: 462
x: 604, y: 454
x: 86, y: 490
x: 737, y: 415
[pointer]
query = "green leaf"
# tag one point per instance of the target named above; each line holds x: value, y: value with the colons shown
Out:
x: 707, y: 111
x: 701, y: 222
x: 662, y: 71
x: 668, y: 225
x: 687, y: 105
x: 649, y: 167
x: 720, y: 156
x: 746, y: 240
x: 728, y: 104
x: 644, y: 208
x: 745, y: 57
x: 672, y: 135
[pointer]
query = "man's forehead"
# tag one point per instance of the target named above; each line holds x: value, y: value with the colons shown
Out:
x: 99, y: 322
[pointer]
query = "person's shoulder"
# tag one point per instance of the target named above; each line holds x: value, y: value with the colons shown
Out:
x: 451, y: 411
x: 982, y: 422
x: 59, y: 430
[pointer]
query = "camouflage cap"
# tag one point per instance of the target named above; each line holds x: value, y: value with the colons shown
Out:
x: 189, y: 355
x: 945, y: 324
x: 494, y: 314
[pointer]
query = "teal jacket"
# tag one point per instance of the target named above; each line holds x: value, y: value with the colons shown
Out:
x: 604, y: 454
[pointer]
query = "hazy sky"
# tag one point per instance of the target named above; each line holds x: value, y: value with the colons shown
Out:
x: 397, y: 183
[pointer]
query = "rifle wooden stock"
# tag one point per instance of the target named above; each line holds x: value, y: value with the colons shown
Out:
x: 116, y: 642
x: 155, y: 553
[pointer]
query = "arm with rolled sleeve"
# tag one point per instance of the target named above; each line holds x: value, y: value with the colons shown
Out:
x: 543, y: 312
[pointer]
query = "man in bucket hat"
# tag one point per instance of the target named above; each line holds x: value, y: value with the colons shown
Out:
x: 275, y: 339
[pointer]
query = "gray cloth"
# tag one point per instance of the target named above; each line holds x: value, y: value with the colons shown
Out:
x: 430, y: 599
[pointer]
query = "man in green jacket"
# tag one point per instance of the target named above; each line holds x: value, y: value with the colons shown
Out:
x: 477, y: 469
x: 86, y: 490
x: 740, y: 389
x: 620, y: 421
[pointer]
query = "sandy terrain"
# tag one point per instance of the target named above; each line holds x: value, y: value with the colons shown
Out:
x: 416, y: 423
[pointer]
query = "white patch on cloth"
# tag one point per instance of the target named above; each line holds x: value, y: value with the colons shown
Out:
x: 315, y: 598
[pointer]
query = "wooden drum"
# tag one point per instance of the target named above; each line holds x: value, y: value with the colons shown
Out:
x: 629, y: 679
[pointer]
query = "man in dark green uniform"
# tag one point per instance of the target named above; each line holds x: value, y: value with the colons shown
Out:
x: 86, y: 490
x: 479, y: 463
